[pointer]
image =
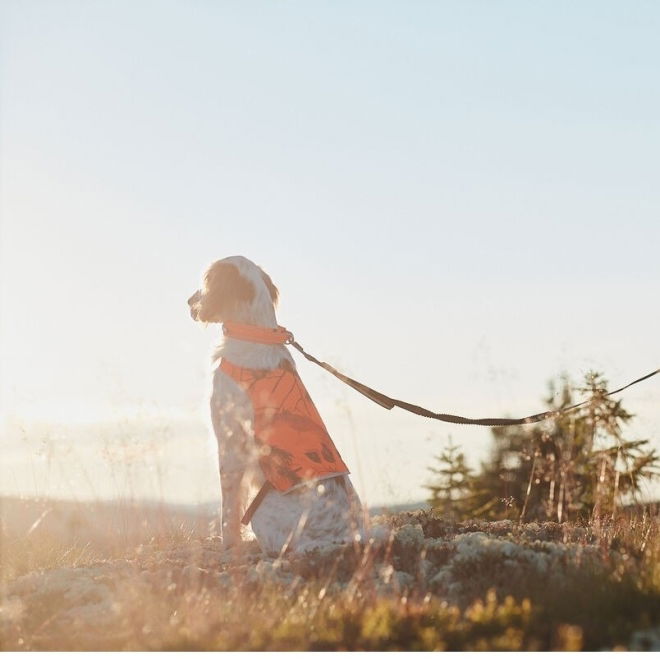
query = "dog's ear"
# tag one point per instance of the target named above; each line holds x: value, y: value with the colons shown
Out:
x: 224, y: 289
x: 272, y: 289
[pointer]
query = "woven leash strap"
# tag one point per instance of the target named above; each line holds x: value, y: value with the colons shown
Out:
x: 389, y: 403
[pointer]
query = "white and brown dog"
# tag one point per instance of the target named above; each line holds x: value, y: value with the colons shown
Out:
x: 279, y: 469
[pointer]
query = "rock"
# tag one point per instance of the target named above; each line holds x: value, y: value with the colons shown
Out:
x: 402, y: 580
x: 645, y: 640
x: 409, y: 538
x: 270, y: 571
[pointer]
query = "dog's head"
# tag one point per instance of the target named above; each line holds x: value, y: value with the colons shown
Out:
x: 235, y: 289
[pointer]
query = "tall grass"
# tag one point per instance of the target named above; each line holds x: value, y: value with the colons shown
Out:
x: 132, y: 576
x: 156, y: 580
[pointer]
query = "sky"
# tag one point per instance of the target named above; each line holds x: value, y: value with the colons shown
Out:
x: 457, y: 200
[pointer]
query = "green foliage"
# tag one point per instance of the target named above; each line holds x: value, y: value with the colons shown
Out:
x: 577, y: 465
x: 450, y: 493
x: 398, y: 625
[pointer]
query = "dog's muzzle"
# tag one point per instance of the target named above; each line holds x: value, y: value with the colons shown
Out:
x: 193, y: 303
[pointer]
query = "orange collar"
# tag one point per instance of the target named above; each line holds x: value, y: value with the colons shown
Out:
x: 256, y: 333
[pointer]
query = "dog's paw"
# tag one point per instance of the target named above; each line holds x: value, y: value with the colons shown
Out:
x: 239, y: 552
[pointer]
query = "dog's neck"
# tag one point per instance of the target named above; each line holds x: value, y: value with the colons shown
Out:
x: 250, y: 354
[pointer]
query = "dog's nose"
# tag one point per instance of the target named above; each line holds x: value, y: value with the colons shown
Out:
x: 194, y: 298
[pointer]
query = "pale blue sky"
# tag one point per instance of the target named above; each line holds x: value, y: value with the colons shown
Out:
x: 458, y: 200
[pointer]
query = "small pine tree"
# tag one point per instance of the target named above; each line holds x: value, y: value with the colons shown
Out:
x: 451, y: 490
x: 576, y: 465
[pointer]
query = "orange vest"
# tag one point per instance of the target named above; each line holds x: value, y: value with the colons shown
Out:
x: 295, y: 444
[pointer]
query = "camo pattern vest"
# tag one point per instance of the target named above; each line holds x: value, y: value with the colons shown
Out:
x: 294, y: 442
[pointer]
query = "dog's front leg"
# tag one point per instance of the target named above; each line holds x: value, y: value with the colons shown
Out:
x: 230, y: 483
x: 232, y: 416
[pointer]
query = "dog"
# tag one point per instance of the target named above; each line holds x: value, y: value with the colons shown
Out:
x: 279, y: 469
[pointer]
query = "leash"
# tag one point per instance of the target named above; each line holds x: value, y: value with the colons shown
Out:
x: 281, y: 335
x: 389, y: 403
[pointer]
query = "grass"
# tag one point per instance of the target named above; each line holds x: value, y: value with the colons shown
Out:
x: 131, y: 578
